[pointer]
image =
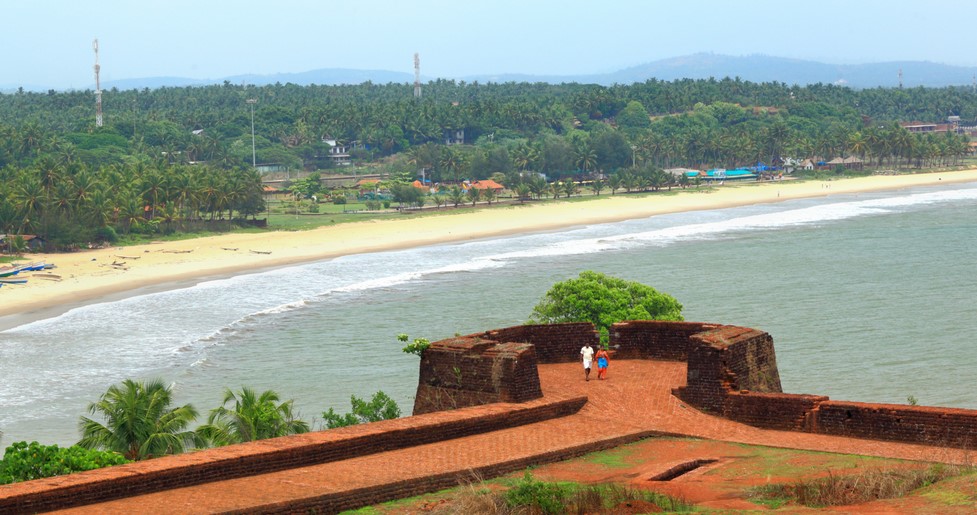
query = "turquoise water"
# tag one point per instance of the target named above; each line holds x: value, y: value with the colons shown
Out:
x: 867, y: 297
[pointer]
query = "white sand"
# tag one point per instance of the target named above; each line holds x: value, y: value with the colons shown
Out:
x: 88, y: 276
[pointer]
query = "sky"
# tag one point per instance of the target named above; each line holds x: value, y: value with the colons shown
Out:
x: 48, y: 43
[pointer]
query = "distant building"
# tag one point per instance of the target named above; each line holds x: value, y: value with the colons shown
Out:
x: 338, y: 152
x: 271, y: 167
x: 488, y: 184
x: 952, y: 125
x: 454, y: 136
x: 678, y: 172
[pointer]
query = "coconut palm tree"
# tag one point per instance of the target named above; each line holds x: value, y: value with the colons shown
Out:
x: 139, y: 421
x: 252, y: 417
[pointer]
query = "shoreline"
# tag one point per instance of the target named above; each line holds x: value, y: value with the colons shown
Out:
x: 89, y: 276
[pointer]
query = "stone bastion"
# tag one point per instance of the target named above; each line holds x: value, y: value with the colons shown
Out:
x: 731, y: 372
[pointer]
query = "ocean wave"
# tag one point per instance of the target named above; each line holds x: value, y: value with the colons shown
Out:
x: 243, y: 324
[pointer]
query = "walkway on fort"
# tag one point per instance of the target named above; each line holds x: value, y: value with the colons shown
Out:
x: 634, y: 402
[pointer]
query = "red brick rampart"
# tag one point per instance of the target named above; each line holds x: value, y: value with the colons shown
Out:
x: 945, y: 427
x: 730, y: 371
x: 650, y: 339
x: 271, y: 455
x: 728, y: 359
x: 555, y: 343
x: 470, y: 371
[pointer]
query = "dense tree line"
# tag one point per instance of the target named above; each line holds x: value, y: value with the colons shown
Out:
x: 173, y: 156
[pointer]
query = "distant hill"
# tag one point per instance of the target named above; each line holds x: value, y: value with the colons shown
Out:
x: 761, y: 68
x: 754, y: 68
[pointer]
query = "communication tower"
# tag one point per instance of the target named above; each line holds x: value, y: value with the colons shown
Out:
x: 900, y: 78
x: 417, y: 75
x: 98, y: 88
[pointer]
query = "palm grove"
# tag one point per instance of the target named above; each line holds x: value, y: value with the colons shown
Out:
x: 177, y: 159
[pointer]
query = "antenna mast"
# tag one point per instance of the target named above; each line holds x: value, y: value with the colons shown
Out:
x: 417, y: 75
x: 900, y: 78
x: 98, y: 88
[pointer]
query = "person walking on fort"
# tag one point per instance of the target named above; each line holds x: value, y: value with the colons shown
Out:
x: 587, y: 356
x: 602, y: 358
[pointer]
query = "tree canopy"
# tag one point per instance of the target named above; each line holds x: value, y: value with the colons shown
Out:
x: 140, y: 422
x: 380, y: 407
x: 604, y: 300
x: 252, y: 416
x: 180, y: 159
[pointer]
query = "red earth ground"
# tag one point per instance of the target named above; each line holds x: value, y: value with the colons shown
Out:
x: 723, y: 485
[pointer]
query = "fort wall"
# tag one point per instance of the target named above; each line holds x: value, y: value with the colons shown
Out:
x: 470, y: 371
x: 275, y: 454
x: 731, y: 372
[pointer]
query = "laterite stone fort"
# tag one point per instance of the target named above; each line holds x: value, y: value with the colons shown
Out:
x: 493, y: 383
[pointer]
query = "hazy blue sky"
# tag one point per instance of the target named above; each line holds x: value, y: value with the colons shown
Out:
x: 48, y: 44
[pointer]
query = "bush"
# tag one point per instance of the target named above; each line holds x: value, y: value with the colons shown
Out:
x: 549, y: 498
x: 558, y: 498
x: 380, y: 407
x: 106, y: 234
x: 24, y: 462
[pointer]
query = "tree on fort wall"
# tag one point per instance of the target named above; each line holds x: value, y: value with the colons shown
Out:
x: 604, y: 300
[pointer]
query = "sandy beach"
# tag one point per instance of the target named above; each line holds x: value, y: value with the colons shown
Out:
x: 104, y: 274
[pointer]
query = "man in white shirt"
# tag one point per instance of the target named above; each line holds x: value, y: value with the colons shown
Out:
x: 587, y: 356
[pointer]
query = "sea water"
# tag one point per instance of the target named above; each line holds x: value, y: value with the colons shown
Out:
x: 868, y: 297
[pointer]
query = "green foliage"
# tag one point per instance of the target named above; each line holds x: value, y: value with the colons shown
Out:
x: 603, y: 300
x: 380, y: 407
x: 24, y: 462
x: 418, y: 346
x: 139, y: 421
x: 152, y: 171
x: 106, y: 234
x: 548, y: 498
x: 633, y: 116
x: 251, y: 417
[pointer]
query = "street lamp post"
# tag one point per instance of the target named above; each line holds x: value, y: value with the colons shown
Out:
x: 252, y: 102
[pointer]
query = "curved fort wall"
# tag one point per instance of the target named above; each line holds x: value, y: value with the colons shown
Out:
x: 731, y: 372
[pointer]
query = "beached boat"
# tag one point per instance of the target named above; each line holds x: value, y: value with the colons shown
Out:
x: 13, y: 281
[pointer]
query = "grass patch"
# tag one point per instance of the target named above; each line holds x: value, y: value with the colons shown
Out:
x: 619, y: 457
x: 870, y: 485
x: 527, y: 495
x: 777, y: 462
